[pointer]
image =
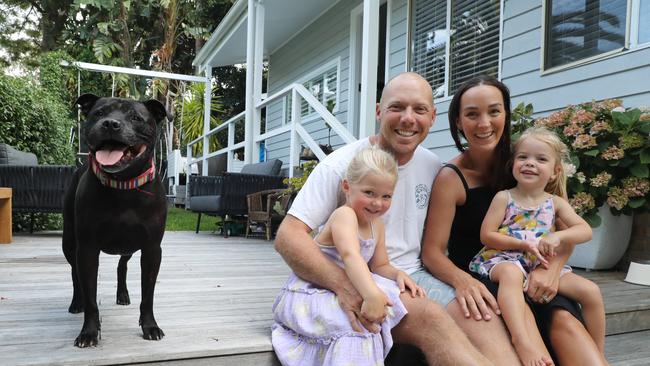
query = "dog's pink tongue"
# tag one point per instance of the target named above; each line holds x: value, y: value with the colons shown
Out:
x: 109, y: 157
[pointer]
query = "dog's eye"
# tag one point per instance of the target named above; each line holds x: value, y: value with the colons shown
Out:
x: 99, y: 113
x: 137, y: 118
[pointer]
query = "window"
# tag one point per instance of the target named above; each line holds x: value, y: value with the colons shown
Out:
x: 323, y: 84
x: 640, y: 22
x: 580, y: 29
x: 453, y: 41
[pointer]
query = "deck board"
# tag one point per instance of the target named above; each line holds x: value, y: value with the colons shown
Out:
x: 213, y: 300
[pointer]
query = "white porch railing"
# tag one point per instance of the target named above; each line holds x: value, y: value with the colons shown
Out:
x: 294, y: 127
x: 229, y: 149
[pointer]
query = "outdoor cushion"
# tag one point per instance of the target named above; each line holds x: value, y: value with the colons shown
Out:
x: 270, y: 167
x: 211, y: 203
x: 11, y: 156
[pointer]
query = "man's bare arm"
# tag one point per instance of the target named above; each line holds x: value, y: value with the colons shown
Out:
x: 296, y: 247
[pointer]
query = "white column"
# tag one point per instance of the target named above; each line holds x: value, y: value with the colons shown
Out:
x: 257, y: 84
x: 250, y: 83
x: 369, y: 62
x: 207, y: 98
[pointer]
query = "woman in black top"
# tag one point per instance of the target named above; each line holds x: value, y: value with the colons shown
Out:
x: 461, y: 195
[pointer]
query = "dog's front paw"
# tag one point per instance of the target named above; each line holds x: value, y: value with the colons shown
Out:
x: 87, y: 339
x: 76, y: 307
x: 123, y: 298
x: 152, y: 333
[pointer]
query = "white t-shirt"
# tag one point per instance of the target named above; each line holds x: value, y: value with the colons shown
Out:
x: 404, y: 221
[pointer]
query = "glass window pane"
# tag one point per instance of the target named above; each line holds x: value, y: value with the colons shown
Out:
x: 474, y: 40
x: 644, y: 21
x: 578, y: 29
x: 429, y: 37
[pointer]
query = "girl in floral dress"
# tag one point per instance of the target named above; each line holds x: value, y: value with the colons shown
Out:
x: 310, y: 326
x: 518, y: 234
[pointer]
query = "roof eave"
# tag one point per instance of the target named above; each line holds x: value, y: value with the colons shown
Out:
x: 231, y: 19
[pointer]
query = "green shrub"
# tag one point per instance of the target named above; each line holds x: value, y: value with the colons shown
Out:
x: 38, y: 119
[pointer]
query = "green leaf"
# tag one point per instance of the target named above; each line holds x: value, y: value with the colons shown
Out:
x: 645, y: 156
x: 591, y: 152
x: 621, y: 118
x: 644, y: 127
x: 636, y: 202
x: 640, y: 170
x: 592, y: 219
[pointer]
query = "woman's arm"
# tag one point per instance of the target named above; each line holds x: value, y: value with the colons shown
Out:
x: 472, y: 295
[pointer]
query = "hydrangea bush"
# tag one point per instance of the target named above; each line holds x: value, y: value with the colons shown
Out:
x: 610, y: 156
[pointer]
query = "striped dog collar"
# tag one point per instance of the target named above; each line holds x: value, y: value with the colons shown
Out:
x: 134, y: 183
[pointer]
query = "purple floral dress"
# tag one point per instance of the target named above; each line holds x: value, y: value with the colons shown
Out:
x: 311, y: 328
x: 529, y: 224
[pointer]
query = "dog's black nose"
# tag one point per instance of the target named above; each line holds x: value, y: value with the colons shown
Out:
x: 112, y: 124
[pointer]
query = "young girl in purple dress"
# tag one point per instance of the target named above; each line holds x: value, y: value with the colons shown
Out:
x: 310, y: 326
x: 518, y: 234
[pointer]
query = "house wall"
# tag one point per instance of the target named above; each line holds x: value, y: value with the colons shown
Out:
x: 325, y: 39
x: 622, y: 75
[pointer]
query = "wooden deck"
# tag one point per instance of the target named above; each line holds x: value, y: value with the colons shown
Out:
x: 213, y: 300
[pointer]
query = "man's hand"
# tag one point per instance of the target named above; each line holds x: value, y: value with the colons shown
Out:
x: 474, y: 299
x: 542, y: 285
x: 350, y: 302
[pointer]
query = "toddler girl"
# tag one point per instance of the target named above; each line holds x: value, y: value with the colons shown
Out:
x: 310, y: 326
x: 518, y: 235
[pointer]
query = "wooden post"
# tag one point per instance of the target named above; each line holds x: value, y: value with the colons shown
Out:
x: 5, y: 216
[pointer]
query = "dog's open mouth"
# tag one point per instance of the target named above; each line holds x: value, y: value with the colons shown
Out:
x: 117, y: 154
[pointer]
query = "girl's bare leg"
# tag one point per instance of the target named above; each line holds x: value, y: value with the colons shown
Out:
x: 588, y: 295
x: 571, y: 342
x: 512, y: 304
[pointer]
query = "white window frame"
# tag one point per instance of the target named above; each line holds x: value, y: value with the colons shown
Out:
x: 447, y: 96
x: 630, y: 44
x: 320, y: 71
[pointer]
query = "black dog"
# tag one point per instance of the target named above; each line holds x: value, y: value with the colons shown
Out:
x: 116, y: 204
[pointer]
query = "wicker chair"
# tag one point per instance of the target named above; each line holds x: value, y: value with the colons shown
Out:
x: 261, y: 210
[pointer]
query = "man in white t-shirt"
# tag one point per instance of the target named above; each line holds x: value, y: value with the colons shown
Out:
x: 405, y: 114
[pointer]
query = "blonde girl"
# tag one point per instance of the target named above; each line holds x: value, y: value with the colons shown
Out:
x: 518, y: 234
x: 310, y: 326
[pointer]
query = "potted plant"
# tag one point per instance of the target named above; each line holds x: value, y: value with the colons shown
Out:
x: 608, y: 178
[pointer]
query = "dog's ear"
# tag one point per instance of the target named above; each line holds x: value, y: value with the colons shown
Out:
x: 158, y: 110
x: 86, y: 102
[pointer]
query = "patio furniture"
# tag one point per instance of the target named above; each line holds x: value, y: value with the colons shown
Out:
x: 261, y: 210
x: 225, y: 195
x: 35, y: 188
x: 5, y: 215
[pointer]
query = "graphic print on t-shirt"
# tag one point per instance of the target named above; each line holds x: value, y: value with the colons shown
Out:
x: 421, y: 196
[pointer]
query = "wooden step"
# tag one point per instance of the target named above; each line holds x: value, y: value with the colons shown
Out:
x: 628, y: 349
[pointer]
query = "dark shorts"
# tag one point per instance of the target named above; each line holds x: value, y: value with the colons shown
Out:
x: 543, y: 312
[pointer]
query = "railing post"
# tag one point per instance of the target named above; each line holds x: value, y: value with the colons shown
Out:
x: 250, y: 83
x: 369, y: 68
x: 231, y: 142
x: 257, y: 86
x: 295, y: 120
x: 207, y: 114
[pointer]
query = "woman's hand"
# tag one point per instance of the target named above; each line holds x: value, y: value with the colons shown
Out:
x: 373, y: 308
x: 542, y: 285
x: 404, y: 282
x: 474, y: 298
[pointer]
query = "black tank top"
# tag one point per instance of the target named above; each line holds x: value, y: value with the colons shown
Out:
x: 464, y: 237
